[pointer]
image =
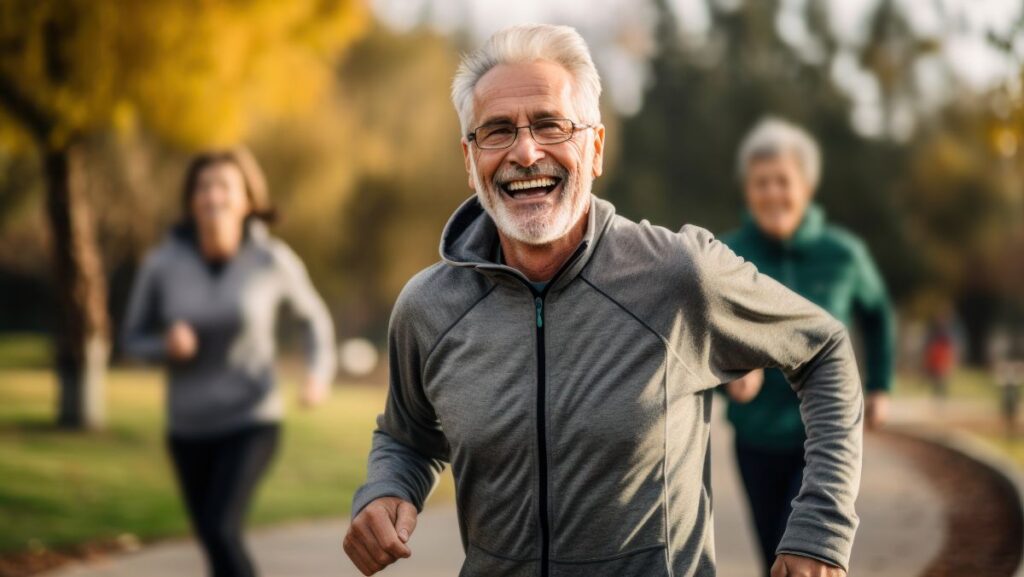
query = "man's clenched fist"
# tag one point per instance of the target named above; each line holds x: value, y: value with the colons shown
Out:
x: 798, y: 566
x: 379, y: 533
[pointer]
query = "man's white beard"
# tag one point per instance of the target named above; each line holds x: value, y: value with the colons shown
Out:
x: 538, y: 224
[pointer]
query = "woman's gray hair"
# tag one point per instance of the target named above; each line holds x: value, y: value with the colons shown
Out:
x: 530, y: 43
x: 772, y: 137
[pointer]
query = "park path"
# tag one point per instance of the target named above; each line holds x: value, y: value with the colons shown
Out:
x: 901, y: 531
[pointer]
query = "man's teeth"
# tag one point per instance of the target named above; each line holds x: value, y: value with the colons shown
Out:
x: 535, y: 183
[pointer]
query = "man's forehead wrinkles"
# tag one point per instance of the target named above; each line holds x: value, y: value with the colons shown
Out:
x: 512, y: 89
x: 518, y: 90
x: 514, y: 98
x: 511, y: 109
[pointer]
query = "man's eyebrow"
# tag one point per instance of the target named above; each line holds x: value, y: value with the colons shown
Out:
x: 497, y: 120
x: 504, y: 119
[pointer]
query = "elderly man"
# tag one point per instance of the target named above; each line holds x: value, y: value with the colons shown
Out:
x: 562, y: 358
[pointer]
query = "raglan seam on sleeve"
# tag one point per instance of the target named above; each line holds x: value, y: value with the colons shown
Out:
x: 698, y: 255
x: 445, y: 332
x: 660, y: 336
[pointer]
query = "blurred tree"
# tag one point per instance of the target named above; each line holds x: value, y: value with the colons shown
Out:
x: 194, y: 73
x: 679, y: 152
x: 929, y: 175
x: 962, y: 197
x: 412, y: 171
x: 366, y: 181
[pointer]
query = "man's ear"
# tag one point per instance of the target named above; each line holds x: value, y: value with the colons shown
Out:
x: 598, y: 150
x: 465, y: 158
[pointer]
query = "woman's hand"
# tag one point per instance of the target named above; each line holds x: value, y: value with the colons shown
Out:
x: 181, y: 341
x: 876, y: 409
x: 314, y: 392
x: 745, y: 388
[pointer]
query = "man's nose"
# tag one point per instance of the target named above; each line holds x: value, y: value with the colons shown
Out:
x: 525, y: 151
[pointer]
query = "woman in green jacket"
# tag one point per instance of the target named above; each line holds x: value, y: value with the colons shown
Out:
x: 787, y: 237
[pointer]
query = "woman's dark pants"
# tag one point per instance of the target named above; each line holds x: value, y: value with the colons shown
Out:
x: 217, y: 476
x: 771, y: 480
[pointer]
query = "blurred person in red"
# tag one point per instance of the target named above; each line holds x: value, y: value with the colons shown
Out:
x: 941, y: 351
x: 205, y: 305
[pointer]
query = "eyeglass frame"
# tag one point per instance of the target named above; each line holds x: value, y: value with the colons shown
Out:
x: 471, y: 136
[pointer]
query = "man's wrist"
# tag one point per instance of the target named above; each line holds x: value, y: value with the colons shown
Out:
x: 819, y: 558
x: 371, y: 492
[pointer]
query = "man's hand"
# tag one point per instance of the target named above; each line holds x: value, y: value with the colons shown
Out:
x: 181, y: 341
x: 745, y: 388
x: 876, y: 409
x: 797, y: 566
x: 379, y: 533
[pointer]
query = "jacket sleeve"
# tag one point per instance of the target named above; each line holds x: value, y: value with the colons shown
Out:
x: 302, y: 298
x: 142, y: 328
x: 745, y: 320
x: 409, y: 448
x: 874, y: 316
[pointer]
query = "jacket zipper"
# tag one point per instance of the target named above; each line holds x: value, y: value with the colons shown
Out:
x: 542, y: 447
x: 542, y: 453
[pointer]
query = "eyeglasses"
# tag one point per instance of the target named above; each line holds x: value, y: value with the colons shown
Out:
x: 504, y: 134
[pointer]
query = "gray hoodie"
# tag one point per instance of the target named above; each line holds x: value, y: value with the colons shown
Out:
x: 232, y: 308
x: 577, y: 419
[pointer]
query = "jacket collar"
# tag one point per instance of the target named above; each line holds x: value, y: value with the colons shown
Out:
x: 809, y: 232
x: 470, y: 240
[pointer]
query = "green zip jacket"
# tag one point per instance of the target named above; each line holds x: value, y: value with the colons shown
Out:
x: 832, y: 268
x: 576, y: 419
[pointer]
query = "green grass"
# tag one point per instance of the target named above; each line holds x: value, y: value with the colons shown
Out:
x: 25, y: 350
x: 60, y: 488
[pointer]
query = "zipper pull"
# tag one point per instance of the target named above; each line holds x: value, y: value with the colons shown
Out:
x: 540, y: 311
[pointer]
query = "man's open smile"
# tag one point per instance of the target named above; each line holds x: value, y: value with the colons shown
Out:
x: 530, y: 188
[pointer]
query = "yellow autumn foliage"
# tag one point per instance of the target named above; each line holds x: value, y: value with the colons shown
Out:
x: 195, y: 72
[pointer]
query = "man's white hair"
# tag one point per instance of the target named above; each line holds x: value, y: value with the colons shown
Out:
x: 530, y: 43
x: 772, y: 137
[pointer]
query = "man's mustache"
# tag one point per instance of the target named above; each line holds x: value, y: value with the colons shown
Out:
x: 516, y: 172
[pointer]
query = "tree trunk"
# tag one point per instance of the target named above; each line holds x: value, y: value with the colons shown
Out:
x: 83, y: 335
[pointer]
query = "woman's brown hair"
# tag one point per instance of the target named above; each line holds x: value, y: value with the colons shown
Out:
x: 252, y: 175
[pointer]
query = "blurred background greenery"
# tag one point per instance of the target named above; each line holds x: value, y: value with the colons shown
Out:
x: 918, y: 106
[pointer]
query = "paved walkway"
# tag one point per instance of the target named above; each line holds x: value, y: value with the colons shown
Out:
x: 901, y: 530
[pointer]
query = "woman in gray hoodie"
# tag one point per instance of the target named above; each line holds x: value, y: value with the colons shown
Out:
x: 205, y: 305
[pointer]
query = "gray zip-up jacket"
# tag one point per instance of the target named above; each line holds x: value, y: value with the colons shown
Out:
x: 576, y: 419
x: 230, y: 383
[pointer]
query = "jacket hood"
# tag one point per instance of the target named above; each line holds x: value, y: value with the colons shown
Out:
x: 470, y: 240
